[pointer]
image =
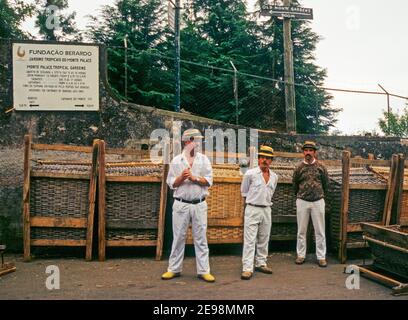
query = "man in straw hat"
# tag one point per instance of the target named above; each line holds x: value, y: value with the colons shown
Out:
x: 258, y: 186
x: 190, y: 175
x: 310, y: 182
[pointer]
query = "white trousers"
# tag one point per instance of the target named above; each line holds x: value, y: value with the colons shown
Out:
x: 257, y: 230
x: 183, y: 213
x: 316, y: 209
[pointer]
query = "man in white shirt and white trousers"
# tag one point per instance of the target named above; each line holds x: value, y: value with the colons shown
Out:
x: 258, y: 187
x: 190, y: 176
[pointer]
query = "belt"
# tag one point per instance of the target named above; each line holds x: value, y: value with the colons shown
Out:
x: 190, y: 202
x: 258, y: 206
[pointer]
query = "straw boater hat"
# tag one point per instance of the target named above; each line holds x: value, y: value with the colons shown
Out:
x: 266, y: 151
x: 192, y: 133
x: 309, y: 144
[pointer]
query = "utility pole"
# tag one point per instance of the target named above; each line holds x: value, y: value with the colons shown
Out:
x: 177, y: 53
x: 287, y: 12
x: 290, y: 103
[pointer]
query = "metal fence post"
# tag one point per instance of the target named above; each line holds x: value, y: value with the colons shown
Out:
x: 235, y: 86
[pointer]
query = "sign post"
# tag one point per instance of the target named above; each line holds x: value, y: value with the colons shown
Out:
x: 174, y: 21
x: 287, y: 12
x: 55, y: 77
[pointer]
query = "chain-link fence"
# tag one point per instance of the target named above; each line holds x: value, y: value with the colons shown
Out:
x: 217, y: 93
x: 229, y: 95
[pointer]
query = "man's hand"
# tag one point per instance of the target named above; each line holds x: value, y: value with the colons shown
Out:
x: 200, y: 181
x: 186, y: 174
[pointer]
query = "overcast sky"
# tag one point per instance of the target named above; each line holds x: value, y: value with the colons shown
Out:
x: 364, y: 44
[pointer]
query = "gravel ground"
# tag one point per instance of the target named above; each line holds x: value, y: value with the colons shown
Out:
x: 139, y: 278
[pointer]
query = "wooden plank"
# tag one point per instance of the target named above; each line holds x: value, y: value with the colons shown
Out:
x: 7, y: 268
x: 126, y: 151
x: 226, y: 166
x: 386, y: 244
x: 59, y: 175
x: 379, y: 163
x: 404, y: 221
x: 26, y: 197
x: 225, y: 222
x: 61, y: 147
x: 101, y: 202
x: 399, y: 189
x: 58, y: 243
x: 110, y: 178
x: 367, y: 186
x: 64, y: 162
x: 391, y: 190
x: 162, y: 213
x: 380, y: 229
x: 78, y: 223
x: 331, y: 163
x: 379, y: 173
x: 387, y: 196
x: 131, y: 243
x: 143, y: 224
x: 225, y: 241
x: 356, y: 245
x: 130, y: 164
x: 381, y: 232
x: 344, y: 205
x: 378, y: 277
x: 227, y: 180
x: 356, y: 227
x: 92, y: 199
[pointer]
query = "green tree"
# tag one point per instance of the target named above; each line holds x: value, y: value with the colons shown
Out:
x: 214, y: 34
x: 141, y: 22
x: 218, y: 33
x: 53, y: 24
x: 393, y: 124
x: 12, y: 14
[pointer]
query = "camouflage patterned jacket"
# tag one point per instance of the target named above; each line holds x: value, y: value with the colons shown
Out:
x: 310, y: 181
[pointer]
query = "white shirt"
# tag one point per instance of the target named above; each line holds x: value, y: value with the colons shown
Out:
x: 256, y: 190
x: 189, y: 190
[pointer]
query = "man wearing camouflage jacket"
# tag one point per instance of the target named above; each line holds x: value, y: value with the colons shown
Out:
x: 310, y: 182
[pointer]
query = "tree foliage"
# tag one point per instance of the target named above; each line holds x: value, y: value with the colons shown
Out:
x: 217, y: 34
x: 140, y: 23
x: 12, y: 14
x: 393, y: 124
x: 54, y: 25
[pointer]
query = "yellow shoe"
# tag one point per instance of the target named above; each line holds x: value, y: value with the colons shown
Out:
x: 207, y: 277
x: 246, y: 275
x: 170, y: 275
